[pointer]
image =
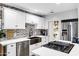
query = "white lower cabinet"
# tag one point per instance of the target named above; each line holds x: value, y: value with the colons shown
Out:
x: 11, y: 50
x: 34, y: 46
x: 44, y: 40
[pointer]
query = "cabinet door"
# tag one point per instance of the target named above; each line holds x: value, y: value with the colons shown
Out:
x: 29, y: 18
x: 13, y: 19
x: 9, y: 18
x: 44, y: 40
x: 40, y: 24
x: 20, y: 20
x: 34, y: 46
x: 11, y: 49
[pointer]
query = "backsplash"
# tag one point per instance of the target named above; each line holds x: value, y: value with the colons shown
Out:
x: 28, y: 31
x: 43, y: 32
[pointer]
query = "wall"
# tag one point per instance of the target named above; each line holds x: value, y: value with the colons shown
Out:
x: 29, y: 30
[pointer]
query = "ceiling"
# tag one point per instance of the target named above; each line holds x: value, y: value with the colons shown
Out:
x: 45, y: 8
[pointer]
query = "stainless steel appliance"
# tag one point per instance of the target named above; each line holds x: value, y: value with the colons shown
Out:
x: 22, y: 48
x: 43, y: 32
x: 69, y: 29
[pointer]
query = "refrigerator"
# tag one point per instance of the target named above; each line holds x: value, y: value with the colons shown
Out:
x: 69, y: 30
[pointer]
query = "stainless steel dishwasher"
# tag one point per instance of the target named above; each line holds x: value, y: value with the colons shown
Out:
x: 22, y: 48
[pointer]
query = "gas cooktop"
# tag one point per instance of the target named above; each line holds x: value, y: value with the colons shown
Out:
x: 60, y: 46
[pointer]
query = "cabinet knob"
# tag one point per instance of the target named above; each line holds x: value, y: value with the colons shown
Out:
x: 11, y: 45
x: 8, y: 52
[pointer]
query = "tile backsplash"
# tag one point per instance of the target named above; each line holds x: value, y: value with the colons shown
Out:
x: 28, y: 31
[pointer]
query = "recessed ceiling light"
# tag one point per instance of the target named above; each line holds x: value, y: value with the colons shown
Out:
x: 58, y: 3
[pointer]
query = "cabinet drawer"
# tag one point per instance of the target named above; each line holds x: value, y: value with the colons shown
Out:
x: 11, y: 49
x: 35, y: 46
x: 11, y: 52
x: 11, y: 46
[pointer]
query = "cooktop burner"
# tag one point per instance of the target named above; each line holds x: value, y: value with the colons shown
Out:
x: 60, y: 46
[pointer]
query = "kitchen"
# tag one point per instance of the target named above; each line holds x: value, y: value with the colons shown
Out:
x: 26, y: 33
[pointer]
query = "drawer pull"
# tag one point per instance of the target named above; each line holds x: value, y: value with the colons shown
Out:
x: 11, y: 45
x: 8, y: 52
x: 16, y: 25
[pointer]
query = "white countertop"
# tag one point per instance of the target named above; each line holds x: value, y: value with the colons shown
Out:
x: 39, y: 36
x: 6, y: 42
x: 43, y: 51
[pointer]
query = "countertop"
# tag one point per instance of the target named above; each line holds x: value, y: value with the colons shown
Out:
x: 6, y: 42
x: 43, y: 51
x: 39, y: 36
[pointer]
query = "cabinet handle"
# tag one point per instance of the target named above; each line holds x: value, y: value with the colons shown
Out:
x: 16, y: 25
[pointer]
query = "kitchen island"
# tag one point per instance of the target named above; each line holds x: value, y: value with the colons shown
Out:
x: 44, y: 51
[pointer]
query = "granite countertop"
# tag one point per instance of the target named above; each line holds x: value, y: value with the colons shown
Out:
x: 6, y: 42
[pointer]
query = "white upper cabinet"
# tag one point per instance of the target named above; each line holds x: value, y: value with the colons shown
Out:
x: 13, y: 19
x: 41, y: 24
x: 33, y: 19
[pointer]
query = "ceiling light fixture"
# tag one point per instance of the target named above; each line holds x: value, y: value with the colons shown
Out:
x: 58, y: 3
